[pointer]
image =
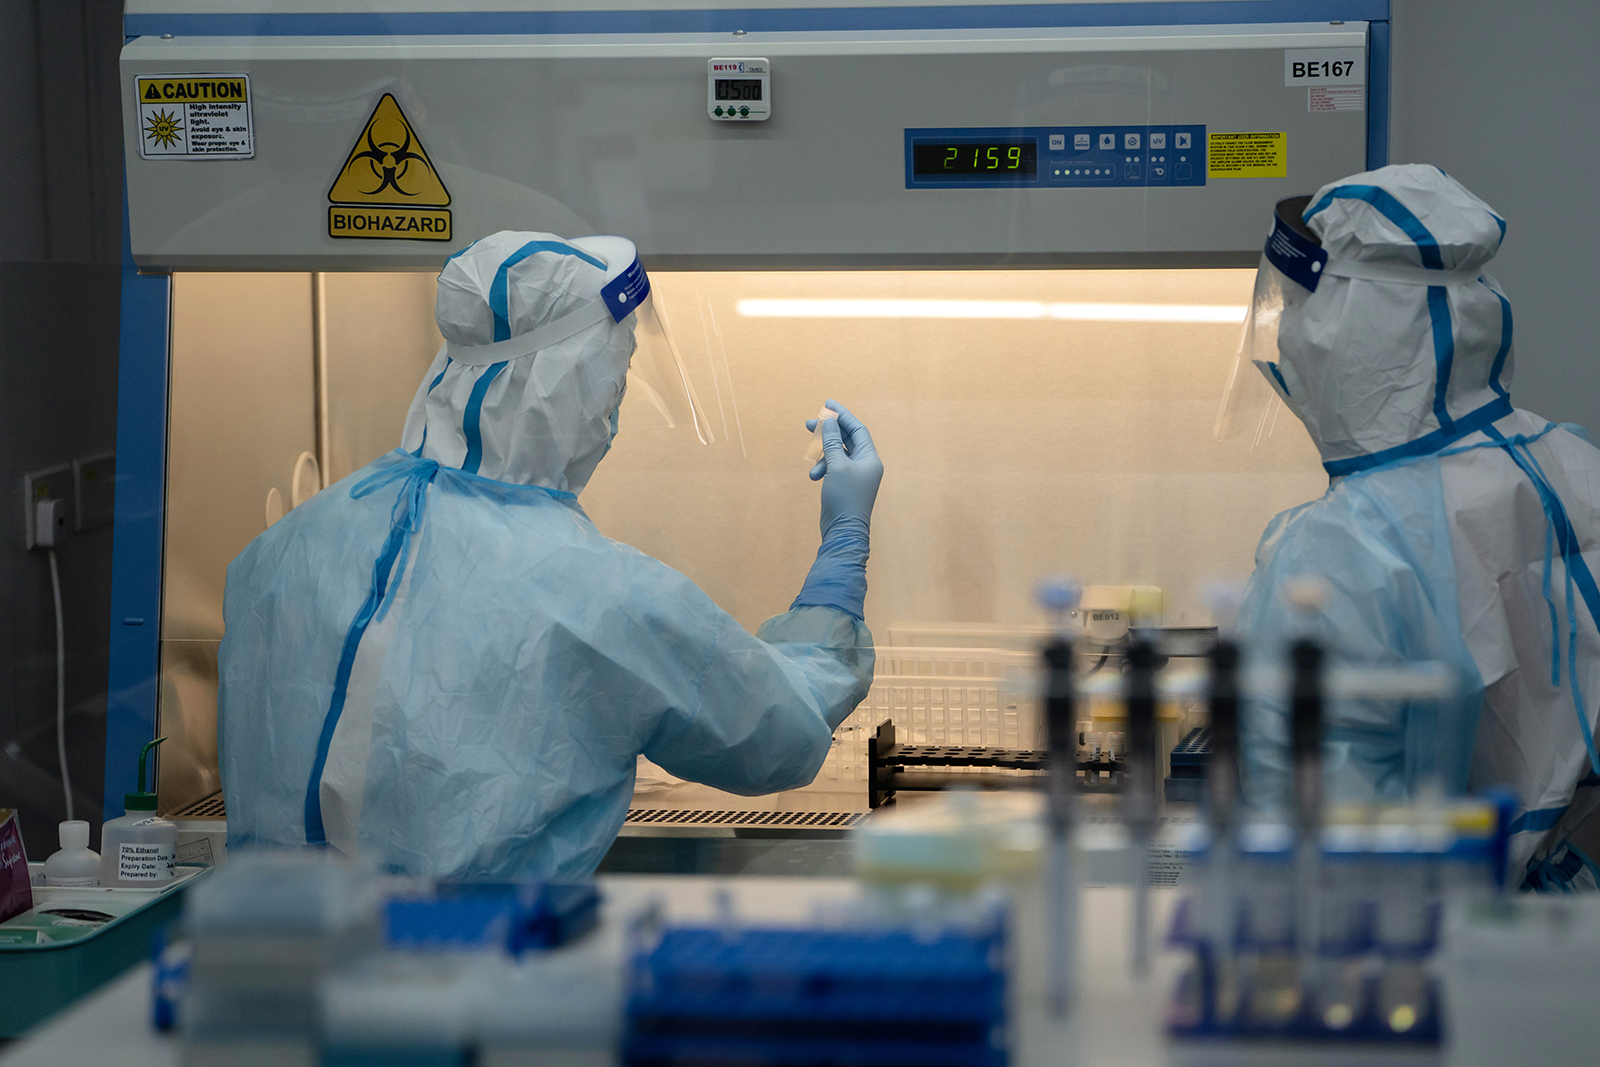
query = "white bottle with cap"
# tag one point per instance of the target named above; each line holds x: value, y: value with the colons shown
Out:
x: 140, y: 847
x: 76, y: 864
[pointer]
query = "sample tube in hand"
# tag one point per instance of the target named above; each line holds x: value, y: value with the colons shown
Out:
x: 814, y: 448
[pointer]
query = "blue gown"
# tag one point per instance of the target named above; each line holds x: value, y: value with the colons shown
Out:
x: 516, y: 665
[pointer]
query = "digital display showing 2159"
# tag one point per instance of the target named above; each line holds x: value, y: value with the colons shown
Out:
x: 976, y: 161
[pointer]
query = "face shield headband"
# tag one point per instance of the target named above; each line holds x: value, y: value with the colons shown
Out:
x: 656, y: 371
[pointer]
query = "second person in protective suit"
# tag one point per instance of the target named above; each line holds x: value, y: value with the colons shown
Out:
x: 441, y: 661
x: 1456, y: 528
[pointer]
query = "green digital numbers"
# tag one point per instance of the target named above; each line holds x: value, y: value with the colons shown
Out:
x: 987, y: 161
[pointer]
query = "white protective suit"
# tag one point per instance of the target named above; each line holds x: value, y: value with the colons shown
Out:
x: 1456, y: 528
x: 441, y: 662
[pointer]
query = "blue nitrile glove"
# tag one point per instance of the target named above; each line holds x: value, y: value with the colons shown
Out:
x: 850, y: 471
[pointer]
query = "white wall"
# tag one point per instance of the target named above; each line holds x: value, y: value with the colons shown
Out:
x: 1505, y: 96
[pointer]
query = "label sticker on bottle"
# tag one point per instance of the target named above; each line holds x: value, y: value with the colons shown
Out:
x: 144, y: 861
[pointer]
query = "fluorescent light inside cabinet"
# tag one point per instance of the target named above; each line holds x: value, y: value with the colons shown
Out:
x: 1228, y: 314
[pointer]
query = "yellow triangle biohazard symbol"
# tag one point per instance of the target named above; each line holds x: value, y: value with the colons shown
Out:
x: 388, y: 165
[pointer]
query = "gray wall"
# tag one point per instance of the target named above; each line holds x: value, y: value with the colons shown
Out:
x: 1506, y: 97
x: 60, y: 247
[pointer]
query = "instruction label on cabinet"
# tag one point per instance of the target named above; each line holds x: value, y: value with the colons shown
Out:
x: 388, y: 188
x: 195, y: 116
x: 1249, y: 155
x: 1328, y: 98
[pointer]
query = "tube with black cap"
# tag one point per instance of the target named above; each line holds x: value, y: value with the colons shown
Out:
x: 1219, y: 914
x: 1305, y: 741
x: 1139, y: 802
x: 1060, y: 597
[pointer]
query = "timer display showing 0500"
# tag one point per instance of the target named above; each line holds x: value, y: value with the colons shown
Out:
x: 1005, y: 161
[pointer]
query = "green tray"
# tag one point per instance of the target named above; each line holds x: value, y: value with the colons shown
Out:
x: 38, y: 980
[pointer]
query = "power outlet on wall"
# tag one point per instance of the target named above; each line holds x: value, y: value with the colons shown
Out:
x: 96, y: 484
x: 53, y: 484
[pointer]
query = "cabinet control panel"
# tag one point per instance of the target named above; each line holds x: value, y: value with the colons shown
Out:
x: 1065, y: 157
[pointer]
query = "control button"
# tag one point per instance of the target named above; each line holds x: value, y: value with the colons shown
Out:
x: 1158, y: 140
x: 1058, y: 142
x: 1130, y: 140
x: 1180, y: 140
x: 1080, y: 141
x: 743, y: 111
x: 718, y: 111
x: 1131, y: 172
x: 1183, y: 172
x: 1158, y: 172
x: 1108, y: 141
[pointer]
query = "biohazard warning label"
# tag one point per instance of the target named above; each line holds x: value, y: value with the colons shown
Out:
x: 1249, y: 155
x: 388, y: 188
x: 195, y: 116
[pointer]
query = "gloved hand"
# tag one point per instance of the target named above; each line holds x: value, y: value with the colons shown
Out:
x: 850, y: 471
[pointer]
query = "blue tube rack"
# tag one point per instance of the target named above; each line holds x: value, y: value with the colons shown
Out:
x: 868, y: 996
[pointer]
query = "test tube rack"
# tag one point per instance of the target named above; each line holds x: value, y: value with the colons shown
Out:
x: 709, y: 994
x: 892, y: 767
x: 1369, y: 978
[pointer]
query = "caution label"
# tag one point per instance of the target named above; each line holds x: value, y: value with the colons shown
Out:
x: 195, y: 116
x: 1248, y: 155
x: 388, y: 187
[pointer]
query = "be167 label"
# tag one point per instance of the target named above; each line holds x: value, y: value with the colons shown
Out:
x: 1324, y: 66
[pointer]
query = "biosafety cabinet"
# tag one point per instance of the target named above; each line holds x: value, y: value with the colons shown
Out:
x: 1017, y: 240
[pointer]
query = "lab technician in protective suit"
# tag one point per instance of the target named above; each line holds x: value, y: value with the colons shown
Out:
x: 1456, y: 527
x: 441, y: 662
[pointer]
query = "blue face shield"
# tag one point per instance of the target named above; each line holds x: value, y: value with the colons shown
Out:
x: 1291, y: 267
